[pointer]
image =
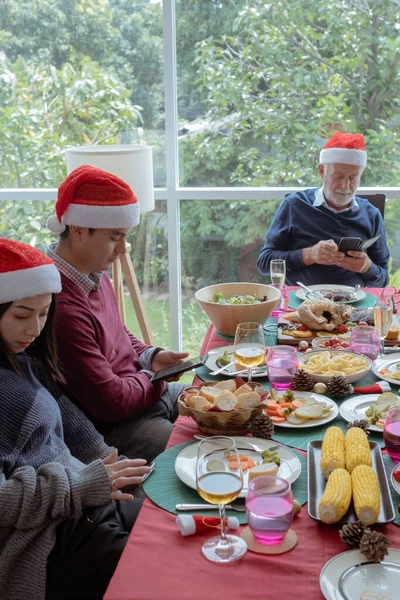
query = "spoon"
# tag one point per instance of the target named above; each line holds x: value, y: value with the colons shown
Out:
x: 356, y: 288
x: 313, y: 292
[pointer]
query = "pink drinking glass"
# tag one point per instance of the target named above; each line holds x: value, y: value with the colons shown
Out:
x: 365, y: 339
x: 391, y: 433
x: 269, y: 509
x: 281, y: 363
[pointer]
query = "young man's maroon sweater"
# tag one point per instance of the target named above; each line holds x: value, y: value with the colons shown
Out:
x: 100, y: 356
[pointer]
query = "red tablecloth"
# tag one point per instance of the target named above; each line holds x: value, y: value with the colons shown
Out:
x: 159, y: 564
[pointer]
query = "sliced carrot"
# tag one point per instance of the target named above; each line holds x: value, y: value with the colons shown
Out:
x: 284, y: 404
x: 272, y: 404
x: 233, y: 464
x: 232, y: 458
x: 297, y: 403
x: 272, y: 413
x: 281, y: 413
x: 243, y: 457
x: 244, y: 466
x: 276, y: 419
x: 251, y: 463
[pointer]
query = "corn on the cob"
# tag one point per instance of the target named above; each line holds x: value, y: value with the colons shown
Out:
x: 332, y: 451
x: 337, y: 497
x: 366, y: 494
x: 357, y: 449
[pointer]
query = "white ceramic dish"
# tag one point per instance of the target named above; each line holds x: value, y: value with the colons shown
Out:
x: 347, y: 575
x: 355, y: 408
x: 395, y: 484
x: 317, y: 342
x: 359, y: 295
x: 325, y: 378
x: 388, y: 363
x: 312, y: 422
x: 289, y: 469
x: 211, y: 363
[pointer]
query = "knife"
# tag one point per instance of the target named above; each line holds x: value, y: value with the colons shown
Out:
x: 239, y: 508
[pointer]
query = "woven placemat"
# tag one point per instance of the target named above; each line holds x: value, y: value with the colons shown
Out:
x: 389, y: 466
x: 165, y: 489
x: 367, y: 302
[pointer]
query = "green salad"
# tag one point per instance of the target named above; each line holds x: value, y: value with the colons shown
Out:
x: 247, y: 299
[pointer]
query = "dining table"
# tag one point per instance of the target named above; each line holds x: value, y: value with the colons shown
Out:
x: 158, y: 563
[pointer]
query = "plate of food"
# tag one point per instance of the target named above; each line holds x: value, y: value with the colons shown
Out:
x: 265, y: 461
x: 350, y: 576
x: 337, y: 293
x: 324, y: 364
x: 300, y: 410
x: 369, y: 407
x: 395, y: 478
x: 388, y: 370
x: 224, y: 356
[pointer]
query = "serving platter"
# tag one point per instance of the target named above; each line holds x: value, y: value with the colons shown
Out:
x: 390, y: 365
x: 317, y: 483
x: 289, y: 469
x: 395, y: 484
x: 354, y: 409
x: 359, y: 295
x: 212, y: 363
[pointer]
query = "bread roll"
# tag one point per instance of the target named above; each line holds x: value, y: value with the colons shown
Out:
x: 248, y: 400
x: 226, y: 401
x: 243, y: 389
x: 228, y: 384
x: 210, y: 393
x: 198, y: 403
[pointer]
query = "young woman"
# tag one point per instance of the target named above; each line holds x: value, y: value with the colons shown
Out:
x: 64, y: 520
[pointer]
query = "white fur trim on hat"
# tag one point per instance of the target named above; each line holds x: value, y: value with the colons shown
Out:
x: 186, y: 524
x: 26, y: 283
x: 344, y: 156
x: 102, y: 217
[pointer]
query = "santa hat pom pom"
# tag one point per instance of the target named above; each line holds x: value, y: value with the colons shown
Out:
x: 232, y: 522
x: 54, y: 225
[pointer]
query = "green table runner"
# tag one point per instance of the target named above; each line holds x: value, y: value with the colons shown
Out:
x: 166, y: 490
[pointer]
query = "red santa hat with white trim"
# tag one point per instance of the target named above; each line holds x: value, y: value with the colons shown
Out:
x: 90, y: 197
x: 25, y: 272
x: 344, y: 148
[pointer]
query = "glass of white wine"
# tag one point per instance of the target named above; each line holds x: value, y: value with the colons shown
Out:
x: 277, y: 271
x: 383, y: 315
x: 249, y: 346
x: 219, y: 480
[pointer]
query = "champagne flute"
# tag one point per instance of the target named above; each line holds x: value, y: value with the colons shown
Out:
x: 249, y: 346
x: 383, y: 315
x: 219, y: 480
x: 277, y: 271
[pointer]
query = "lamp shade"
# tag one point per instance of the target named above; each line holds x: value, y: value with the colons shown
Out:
x: 133, y: 164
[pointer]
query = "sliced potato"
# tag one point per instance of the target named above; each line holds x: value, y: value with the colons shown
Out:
x: 308, y: 401
x: 310, y: 412
x: 215, y: 465
x: 323, y: 405
x: 327, y: 410
x: 295, y: 419
x: 387, y: 398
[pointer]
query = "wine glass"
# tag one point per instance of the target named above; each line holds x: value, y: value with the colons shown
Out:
x: 391, y: 433
x: 383, y: 315
x: 277, y: 271
x: 249, y: 346
x: 219, y: 480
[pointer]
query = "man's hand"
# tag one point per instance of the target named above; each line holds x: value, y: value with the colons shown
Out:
x: 358, y: 262
x: 167, y: 358
x: 326, y: 252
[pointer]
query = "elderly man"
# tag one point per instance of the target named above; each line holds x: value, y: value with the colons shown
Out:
x: 308, y: 225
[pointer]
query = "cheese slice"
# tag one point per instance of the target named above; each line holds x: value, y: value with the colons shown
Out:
x: 263, y: 469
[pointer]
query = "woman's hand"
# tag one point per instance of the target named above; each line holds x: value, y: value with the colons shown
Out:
x: 128, y: 471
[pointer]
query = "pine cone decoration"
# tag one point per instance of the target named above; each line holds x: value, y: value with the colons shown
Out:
x: 302, y: 382
x: 374, y: 545
x: 351, y: 534
x: 362, y: 424
x: 339, y: 387
x: 262, y: 426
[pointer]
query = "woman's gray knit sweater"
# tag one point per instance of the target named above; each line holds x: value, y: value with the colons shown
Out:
x: 50, y: 471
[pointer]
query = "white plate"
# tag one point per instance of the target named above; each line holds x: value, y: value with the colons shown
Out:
x: 355, y: 408
x: 339, y: 581
x: 387, y: 363
x: 359, y: 295
x: 211, y: 363
x: 312, y: 422
x: 395, y: 483
x: 289, y: 469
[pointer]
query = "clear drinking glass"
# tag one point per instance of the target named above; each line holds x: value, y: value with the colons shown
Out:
x: 383, y: 315
x: 277, y: 271
x: 249, y: 346
x: 281, y: 364
x: 391, y: 433
x: 220, y: 484
x: 365, y: 339
x: 269, y: 509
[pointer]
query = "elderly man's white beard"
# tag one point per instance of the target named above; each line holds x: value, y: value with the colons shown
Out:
x: 340, y: 197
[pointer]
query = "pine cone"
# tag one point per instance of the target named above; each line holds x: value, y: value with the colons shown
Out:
x: 374, y: 545
x: 262, y: 426
x: 302, y: 381
x: 339, y: 387
x: 362, y: 424
x: 351, y: 534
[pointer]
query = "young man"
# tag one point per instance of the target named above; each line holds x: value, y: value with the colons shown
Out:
x: 309, y: 224
x: 107, y: 369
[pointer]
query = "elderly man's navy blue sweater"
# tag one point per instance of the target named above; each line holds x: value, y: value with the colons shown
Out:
x: 298, y: 224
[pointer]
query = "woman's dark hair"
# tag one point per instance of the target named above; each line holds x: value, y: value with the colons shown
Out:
x: 43, y: 349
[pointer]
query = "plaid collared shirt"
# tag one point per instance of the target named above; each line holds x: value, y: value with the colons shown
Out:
x: 85, y: 283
